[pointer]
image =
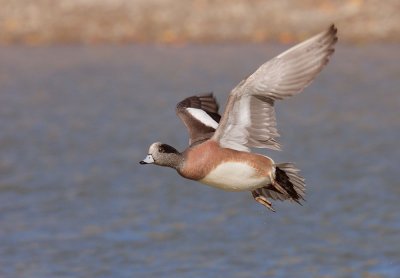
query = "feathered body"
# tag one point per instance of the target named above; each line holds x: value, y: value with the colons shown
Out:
x: 219, y: 152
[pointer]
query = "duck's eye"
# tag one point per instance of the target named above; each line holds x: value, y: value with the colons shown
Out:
x: 160, y: 150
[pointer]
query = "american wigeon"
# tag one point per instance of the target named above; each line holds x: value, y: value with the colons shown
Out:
x: 219, y: 147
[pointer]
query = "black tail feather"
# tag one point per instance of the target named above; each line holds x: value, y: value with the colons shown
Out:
x: 284, y: 181
x: 287, y: 185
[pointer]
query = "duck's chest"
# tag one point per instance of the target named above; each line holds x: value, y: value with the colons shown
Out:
x: 226, y: 169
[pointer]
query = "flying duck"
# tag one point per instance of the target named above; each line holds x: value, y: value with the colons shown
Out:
x: 219, y: 152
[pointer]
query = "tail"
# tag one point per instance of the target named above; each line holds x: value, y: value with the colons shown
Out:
x: 288, y: 182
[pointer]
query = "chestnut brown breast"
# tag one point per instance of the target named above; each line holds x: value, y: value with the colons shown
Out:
x: 203, y: 158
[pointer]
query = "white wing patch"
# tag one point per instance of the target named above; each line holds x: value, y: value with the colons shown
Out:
x: 203, y: 117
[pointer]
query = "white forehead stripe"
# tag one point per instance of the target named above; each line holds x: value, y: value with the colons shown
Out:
x: 203, y: 117
x: 153, y: 148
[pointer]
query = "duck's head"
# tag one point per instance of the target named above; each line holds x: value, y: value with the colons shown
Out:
x: 163, y: 155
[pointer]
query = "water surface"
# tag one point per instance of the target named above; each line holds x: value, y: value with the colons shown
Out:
x: 74, y: 202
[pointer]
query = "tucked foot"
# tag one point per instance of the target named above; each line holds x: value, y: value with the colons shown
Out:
x: 263, y: 200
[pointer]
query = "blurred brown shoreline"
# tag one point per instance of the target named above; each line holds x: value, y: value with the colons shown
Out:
x: 203, y: 21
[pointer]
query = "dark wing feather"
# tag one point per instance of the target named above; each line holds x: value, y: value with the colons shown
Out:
x: 200, y: 116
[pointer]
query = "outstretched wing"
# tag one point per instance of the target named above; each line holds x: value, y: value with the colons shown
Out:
x: 200, y: 116
x: 249, y: 116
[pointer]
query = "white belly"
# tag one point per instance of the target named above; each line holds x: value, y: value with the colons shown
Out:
x: 235, y: 176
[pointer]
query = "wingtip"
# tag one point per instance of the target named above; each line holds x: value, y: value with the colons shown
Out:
x: 332, y: 38
x: 332, y: 31
x: 206, y: 94
x: 209, y: 94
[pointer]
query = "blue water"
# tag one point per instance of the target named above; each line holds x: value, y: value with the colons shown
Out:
x: 74, y: 201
